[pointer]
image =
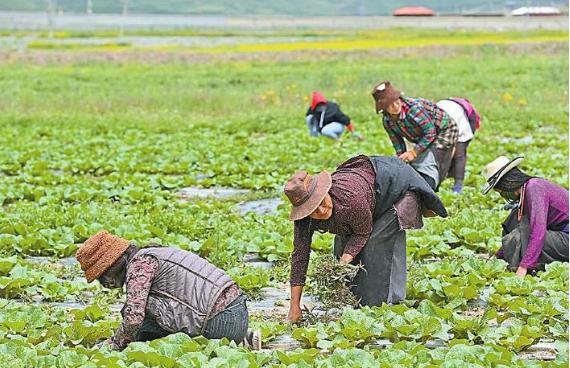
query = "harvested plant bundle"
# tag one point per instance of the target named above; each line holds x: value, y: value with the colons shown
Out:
x: 330, y: 282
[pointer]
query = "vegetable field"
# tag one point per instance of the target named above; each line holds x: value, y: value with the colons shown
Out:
x: 102, y: 137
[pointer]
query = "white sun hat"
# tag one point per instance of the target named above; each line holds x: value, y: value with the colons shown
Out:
x: 494, y: 171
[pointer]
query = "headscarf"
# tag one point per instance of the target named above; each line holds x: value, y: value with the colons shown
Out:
x: 318, y: 98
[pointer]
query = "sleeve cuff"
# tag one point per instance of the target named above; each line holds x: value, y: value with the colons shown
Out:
x: 352, y: 251
x: 418, y: 150
x: 114, y: 345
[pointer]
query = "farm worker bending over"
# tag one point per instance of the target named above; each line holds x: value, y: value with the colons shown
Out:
x: 536, y: 232
x: 431, y: 134
x: 367, y: 203
x: 168, y: 290
x: 325, y: 118
x: 468, y: 120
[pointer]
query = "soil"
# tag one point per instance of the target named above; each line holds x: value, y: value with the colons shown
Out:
x: 215, y: 192
x: 260, y: 207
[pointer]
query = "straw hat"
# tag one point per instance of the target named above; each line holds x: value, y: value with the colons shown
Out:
x: 99, y: 252
x: 306, y: 192
x: 384, y: 95
x: 494, y: 171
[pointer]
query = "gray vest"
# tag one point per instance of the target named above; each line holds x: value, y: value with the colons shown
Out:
x: 184, y: 290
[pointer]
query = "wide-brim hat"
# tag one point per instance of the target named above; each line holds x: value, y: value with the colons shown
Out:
x: 495, y: 170
x: 306, y: 192
x: 99, y: 252
x: 384, y: 95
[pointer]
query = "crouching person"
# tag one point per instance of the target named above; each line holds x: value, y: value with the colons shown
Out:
x: 168, y: 291
x: 536, y: 231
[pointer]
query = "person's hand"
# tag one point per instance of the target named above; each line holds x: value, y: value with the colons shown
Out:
x: 102, y: 344
x: 521, y: 272
x: 407, y: 156
x: 295, y: 313
x: 358, y: 136
x: 346, y: 258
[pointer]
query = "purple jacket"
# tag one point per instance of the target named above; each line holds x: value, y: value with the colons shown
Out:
x: 546, y: 205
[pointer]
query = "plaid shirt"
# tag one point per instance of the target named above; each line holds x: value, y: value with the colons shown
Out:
x: 420, y: 121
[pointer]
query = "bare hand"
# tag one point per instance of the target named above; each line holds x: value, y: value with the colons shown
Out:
x: 358, y: 136
x: 295, y: 314
x: 102, y: 344
x: 407, y: 157
x: 346, y: 258
x: 521, y: 272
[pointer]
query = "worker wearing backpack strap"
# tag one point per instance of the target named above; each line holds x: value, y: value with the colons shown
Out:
x: 468, y: 121
x: 422, y: 134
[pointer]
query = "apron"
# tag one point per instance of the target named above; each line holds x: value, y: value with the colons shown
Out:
x: 383, y: 279
x: 433, y: 162
x: 515, y: 243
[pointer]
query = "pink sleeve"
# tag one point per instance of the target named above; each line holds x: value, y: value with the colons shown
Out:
x: 140, y: 274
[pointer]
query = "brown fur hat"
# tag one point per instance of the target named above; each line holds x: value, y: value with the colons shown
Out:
x: 99, y: 252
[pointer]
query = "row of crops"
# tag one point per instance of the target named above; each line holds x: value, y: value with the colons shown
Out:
x: 91, y: 145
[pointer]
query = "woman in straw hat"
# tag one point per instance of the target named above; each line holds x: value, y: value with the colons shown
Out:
x: 536, y: 231
x: 367, y: 202
x: 422, y: 134
x: 168, y: 290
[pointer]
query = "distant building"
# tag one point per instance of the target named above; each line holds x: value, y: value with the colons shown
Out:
x: 413, y: 11
x: 536, y: 10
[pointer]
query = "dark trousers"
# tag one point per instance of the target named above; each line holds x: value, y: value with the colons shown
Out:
x: 231, y: 323
x: 150, y: 330
x: 443, y: 158
x: 383, y: 279
x: 515, y: 244
x: 457, y: 170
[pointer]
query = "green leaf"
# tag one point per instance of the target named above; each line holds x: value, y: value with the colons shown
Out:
x: 6, y: 265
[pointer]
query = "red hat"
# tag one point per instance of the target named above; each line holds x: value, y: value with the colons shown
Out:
x: 318, y: 98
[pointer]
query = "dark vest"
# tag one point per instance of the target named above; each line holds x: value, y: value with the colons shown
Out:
x: 184, y: 290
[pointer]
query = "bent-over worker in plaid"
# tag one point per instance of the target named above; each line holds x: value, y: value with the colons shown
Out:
x: 430, y: 133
